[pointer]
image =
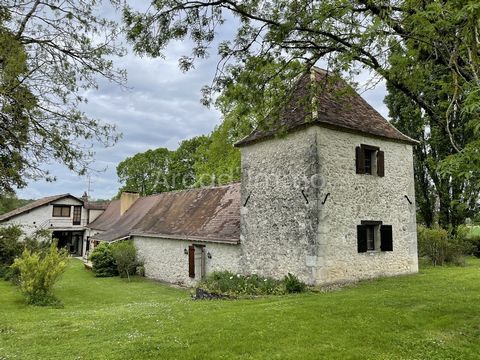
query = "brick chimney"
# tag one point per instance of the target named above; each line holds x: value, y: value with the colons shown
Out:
x: 126, y: 200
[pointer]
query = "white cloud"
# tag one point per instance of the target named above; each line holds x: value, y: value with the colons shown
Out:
x: 160, y: 108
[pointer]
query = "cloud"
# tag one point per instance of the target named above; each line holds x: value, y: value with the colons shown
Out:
x: 159, y: 108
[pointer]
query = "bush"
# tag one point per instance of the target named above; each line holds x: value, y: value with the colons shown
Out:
x: 13, y: 243
x: 38, y: 274
x: 125, y: 255
x: 469, y: 236
x: 10, y: 246
x: 225, y: 282
x: 103, y: 262
x: 440, y: 247
x: 293, y: 284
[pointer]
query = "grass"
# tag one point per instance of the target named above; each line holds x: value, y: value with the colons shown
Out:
x: 474, y: 231
x: 432, y: 315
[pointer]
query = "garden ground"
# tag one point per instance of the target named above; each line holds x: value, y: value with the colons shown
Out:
x: 432, y: 315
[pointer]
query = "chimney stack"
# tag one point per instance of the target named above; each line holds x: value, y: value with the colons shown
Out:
x: 126, y: 200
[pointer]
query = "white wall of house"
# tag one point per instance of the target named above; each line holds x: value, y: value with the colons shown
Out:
x: 356, y: 197
x: 41, y: 218
x: 286, y: 228
x: 165, y: 259
x: 95, y: 214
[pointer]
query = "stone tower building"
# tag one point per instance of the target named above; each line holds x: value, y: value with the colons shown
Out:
x: 332, y: 200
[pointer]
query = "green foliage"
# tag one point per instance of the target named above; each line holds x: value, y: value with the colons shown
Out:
x: 441, y: 248
x: 470, y: 237
x: 9, y: 202
x: 10, y: 246
x: 427, y: 52
x: 103, y: 261
x: 145, y: 173
x: 218, y: 162
x: 13, y: 243
x: 38, y: 274
x: 50, y: 54
x: 125, y: 255
x: 293, y: 284
x: 182, y: 174
x: 225, y: 282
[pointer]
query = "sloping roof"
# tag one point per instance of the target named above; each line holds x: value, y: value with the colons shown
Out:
x: 108, y: 217
x: 122, y: 226
x: 205, y: 214
x: 337, y: 106
x: 33, y: 205
x: 95, y: 206
x: 208, y: 214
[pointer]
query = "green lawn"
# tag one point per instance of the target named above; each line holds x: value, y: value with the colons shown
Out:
x: 432, y: 315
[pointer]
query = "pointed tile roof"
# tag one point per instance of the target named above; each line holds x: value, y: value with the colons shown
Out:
x: 337, y: 106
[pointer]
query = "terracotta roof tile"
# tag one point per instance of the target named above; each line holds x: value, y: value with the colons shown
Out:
x: 205, y: 214
x: 338, y: 106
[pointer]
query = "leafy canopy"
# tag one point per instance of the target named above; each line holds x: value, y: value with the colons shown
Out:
x: 345, y: 36
x: 51, y: 53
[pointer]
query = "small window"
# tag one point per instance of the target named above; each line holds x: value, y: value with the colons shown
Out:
x: 374, y: 236
x: 370, y: 160
x: 61, y: 211
x: 77, y: 215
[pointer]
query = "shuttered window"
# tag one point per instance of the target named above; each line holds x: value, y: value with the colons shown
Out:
x: 386, y: 237
x: 369, y: 160
x: 368, y: 233
x: 361, y: 238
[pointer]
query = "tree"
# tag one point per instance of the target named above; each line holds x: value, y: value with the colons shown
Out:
x: 125, y: 255
x: 145, y: 173
x: 348, y: 36
x: 181, y: 173
x: 51, y: 53
x: 9, y: 202
x: 218, y: 161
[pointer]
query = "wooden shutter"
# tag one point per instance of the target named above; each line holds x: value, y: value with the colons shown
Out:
x: 361, y: 238
x: 360, y: 160
x: 380, y: 163
x: 191, y: 261
x: 386, y: 237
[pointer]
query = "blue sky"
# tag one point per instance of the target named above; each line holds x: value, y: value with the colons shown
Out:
x: 160, y: 107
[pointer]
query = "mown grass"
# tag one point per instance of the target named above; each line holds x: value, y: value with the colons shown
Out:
x: 432, y: 315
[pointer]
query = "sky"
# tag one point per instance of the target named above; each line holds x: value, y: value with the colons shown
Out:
x: 159, y: 107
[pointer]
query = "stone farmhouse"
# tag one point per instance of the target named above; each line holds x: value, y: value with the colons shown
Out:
x: 330, y: 200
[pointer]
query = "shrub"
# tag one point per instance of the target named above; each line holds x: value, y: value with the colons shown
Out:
x: 125, y: 255
x: 13, y: 243
x: 10, y: 246
x: 225, y: 282
x: 440, y: 247
x: 38, y: 274
x: 293, y: 284
x: 469, y: 236
x: 103, y: 262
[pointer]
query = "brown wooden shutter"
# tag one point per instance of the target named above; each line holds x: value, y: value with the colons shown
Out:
x: 191, y: 261
x: 386, y: 237
x: 380, y: 163
x: 361, y: 238
x: 360, y: 160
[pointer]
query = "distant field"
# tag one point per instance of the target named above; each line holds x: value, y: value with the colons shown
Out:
x: 475, y: 231
x: 432, y: 315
